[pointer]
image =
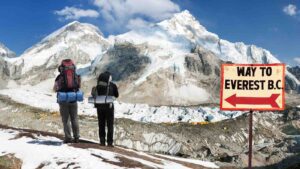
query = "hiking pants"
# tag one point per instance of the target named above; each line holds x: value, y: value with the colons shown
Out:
x: 106, y: 117
x: 69, y: 113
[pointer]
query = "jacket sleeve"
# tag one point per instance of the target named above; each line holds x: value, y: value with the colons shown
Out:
x: 116, y: 92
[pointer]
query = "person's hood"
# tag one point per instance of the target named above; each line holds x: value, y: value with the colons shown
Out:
x: 105, y: 77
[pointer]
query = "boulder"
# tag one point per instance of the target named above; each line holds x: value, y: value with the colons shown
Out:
x: 9, y: 161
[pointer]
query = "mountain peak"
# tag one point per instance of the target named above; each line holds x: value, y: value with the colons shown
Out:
x: 77, y: 27
x: 81, y: 42
x: 185, y: 14
x: 181, y: 21
x: 74, y: 23
x: 185, y: 17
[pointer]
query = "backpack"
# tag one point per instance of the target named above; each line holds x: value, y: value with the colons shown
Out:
x: 70, y: 80
x: 102, y: 88
x: 103, y: 84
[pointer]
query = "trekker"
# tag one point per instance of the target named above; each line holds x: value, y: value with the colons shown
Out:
x: 68, y: 82
x: 105, y: 110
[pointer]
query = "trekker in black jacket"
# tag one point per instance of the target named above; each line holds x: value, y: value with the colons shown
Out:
x: 105, y: 111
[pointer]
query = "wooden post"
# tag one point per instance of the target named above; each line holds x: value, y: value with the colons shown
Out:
x: 250, y: 140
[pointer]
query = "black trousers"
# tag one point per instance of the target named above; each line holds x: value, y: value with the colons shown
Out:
x: 106, y: 117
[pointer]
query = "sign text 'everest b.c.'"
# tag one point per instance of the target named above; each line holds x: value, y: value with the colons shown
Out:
x: 252, y: 86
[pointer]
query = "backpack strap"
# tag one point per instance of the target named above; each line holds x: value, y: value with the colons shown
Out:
x: 107, y: 91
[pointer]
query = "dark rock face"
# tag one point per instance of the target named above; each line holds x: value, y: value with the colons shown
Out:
x: 123, y: 61
x: 193, y: 64
x: 4, y: 72
x: 200, y: 66
x: 206, y: 63
x: 126, y: 60
x: 295, y: 71
x: 4, y: 68
x: 205, y: 67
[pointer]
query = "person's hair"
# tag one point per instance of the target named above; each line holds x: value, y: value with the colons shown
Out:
x: 105, y: 75
x: 107, y: 72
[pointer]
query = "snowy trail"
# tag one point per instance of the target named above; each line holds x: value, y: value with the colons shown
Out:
x: 45, y: 149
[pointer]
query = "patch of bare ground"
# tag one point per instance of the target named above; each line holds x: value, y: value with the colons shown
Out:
x: 38, y: 133
x: 70, y: 164
x: 117, y: 150
x: 23, y: 134
x: 124, y: 162
x: 60, y: 162
x: 190, y: 165
x: 41, y: 166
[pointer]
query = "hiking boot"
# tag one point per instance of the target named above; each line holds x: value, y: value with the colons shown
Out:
x: 76, y: 140
x: 110, y: 145
x: 66, y: 141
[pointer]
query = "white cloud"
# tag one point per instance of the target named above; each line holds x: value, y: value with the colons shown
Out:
x: 70, y: 13
x: 134, y: 13
x: 137, y: 23
x: 290, y: 10
x: 297, y: 60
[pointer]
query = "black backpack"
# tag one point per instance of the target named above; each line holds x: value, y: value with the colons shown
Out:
x: 103, y: 86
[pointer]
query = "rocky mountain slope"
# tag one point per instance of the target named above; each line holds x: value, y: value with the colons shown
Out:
x: 174, y: 62
x: 295, y: 71
x: 5, y: 52
x: 5, y: 55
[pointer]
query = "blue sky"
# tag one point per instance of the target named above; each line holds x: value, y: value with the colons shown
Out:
x: 271, y: 24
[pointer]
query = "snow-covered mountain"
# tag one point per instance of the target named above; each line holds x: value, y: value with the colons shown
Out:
x: 185, y: 25
x: 178, y: 62
x: 174, y: 62
x: 78, y: 41
x: 5, y: 52
x: 185, y: 32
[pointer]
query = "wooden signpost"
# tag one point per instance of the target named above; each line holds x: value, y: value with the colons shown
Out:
x: 252, y: 87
